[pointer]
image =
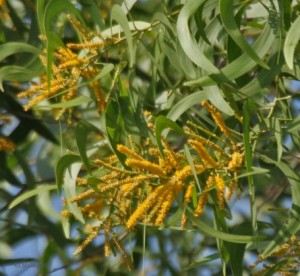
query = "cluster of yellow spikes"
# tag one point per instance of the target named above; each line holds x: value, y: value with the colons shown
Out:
x: 72, y: 65
x: 149, y: 183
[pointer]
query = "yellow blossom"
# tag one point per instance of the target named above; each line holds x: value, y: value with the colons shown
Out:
x: 6, y: 144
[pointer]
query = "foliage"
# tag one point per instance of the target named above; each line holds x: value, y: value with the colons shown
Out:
x: 172, y: 127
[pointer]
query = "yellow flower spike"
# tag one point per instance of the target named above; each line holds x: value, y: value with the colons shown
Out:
x: 236, y: 160
x: 112, y: 168
x: 85, y: 195
x: 87, y: 241
x: 204, y: 141
x: 170, y: 154
x: 164, y: 208
x: 86, y: 45
x: 220, y: 183
x: 230, y: 190
x: 123, y: 149
x: 183, y: 221
x: 203, y: 153
x: 122, y: 250
x: 218, y: 119
x: 145, y: 165
x: 143, y: 208
x: 37, y: 88
x: 6, y: 144
x: 137, y: 179
x: 183, y: 173
x: 73, y: 63
x: 200, y: 206
x: 66, y: 214
x: 167, y: 203
x: 188, y: 193
x: 95, y: 207
x: 107, y: 248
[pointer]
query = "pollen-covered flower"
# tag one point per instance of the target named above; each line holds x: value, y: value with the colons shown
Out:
x: 6, y: 144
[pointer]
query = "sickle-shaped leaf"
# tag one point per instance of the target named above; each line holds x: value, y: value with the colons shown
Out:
x: 227, y: 15
x: 290, y: 43
x: 188, y: 43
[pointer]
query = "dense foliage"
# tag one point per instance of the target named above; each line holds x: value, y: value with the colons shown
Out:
x: 150, y: 137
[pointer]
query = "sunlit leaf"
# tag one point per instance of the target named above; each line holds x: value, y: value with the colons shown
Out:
x: 290, y: 43
x: 118, y: 15
x: 11, y: 48
x: 161, y: 124
x: 227, y: 15
x: 188, y: 43
x: 31, y: 193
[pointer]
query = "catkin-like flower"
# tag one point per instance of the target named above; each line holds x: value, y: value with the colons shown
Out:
x: 143, y: 208
x: 236, y: 160
x: 188, y: 193
x: 220, y: 183
x: 218, y: 119
x: 6, y: 144
x: 123, y: 149
x: 230, y: 189
x: 167, y: 203
x: 200, y: 206
x: 203, y: 153
x: 86, y: 242
x: 145, y: 165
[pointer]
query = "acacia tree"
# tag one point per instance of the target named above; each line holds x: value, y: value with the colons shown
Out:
x: 172, y: 127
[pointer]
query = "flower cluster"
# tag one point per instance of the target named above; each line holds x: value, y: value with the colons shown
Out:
x: 6, y: 144
x: 72, y: 64
x: 150, y: 183
x: 289, y: 253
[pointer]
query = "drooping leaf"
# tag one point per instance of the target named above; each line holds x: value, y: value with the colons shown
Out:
x: 290, y: 43
x: 11, y: 48
x: 227, y: 15
x: 188, y: 43
x: 118, y: 15
x: 29, y: 194
x: 161, y: 124
x: 63, y: 163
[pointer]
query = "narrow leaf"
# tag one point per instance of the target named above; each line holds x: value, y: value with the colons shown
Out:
x: 161, y: 124
x: 63, y: 163
x: 118, y: 15
x: 227, y: 15
x: 290, y: 43
x: 31, y: 193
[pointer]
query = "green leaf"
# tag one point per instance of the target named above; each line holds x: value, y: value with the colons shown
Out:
x: 203, y: 260
x: 83, y: 129
x: 70, y: 188
x: 214, y: 95
x: 118, y: 15
x: 247, y: 110
x: 11, y: 48
x: 63, y: 163
x: 292, y: 225
x: 242, y: 64
x: 294, y: 125
x: 188, y: 43
x: 114, y: 126
x: 54, y: 8
x: 185, y: 104
x: 227, y: 15
x: 31, y: 193
x: 211, y: 232
x: 290, y: 43
x: 127, y: 5
x: 71, y: 103
x: 161, y: 124
x: 46, y: 205
x: 15, y: 73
